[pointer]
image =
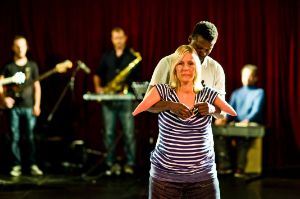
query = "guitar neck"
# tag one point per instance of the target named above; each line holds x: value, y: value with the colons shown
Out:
x: 41, y: 77
x: 45, y: 75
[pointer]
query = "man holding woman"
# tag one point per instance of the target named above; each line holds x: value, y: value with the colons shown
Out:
x: 183, y: 161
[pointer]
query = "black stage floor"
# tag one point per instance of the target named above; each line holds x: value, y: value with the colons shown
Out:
x: 73, y: 186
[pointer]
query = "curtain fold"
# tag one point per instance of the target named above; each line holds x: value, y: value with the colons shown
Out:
x: 265, y: 33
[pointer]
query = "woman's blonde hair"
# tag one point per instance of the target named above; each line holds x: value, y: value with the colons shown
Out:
x: 176, y: 58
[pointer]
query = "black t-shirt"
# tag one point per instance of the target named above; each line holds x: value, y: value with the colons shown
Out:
x: 111, y: 65
x: 23, y: 93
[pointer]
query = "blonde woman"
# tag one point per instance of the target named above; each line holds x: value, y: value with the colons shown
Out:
x: 183, y: 161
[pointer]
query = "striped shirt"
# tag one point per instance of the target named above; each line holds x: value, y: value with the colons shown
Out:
x: 184, y: 151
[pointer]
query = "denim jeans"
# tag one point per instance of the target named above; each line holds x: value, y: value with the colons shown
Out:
x: 25, y: 117
x: 208, y: 189
x: 242, y: 147
x: 223, y: 147
x: 111, y: 112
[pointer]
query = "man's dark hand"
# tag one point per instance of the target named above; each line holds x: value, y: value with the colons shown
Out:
x: 205, y: 108
x: 180, y: 110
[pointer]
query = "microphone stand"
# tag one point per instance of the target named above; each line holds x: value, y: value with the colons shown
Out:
x: 69, y: 85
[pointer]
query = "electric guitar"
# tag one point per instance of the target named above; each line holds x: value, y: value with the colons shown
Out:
x: 59, y: 68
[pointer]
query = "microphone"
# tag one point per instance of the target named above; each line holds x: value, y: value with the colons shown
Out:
x: 84, y: 67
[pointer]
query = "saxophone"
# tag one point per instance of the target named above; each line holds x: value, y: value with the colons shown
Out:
x: 116, y: 84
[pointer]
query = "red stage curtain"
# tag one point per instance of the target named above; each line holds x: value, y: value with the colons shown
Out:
x: 261, y: 32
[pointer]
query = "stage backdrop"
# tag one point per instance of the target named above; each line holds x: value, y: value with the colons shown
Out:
x: 261, y: 32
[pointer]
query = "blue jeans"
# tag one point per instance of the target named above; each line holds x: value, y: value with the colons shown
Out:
x: 122, y: 110
x: 25, y: 117
x: 224, y: 146
x: 208, y: 189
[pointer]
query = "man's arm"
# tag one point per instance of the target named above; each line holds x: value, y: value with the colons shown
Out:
x: 179, y: 109
x: 2, y: 103
x: 37, y: 98
x: 219, y: 85
x: 161, y: 73
x: 5, y: 101
x: 97, y: 84
x: 1, y: 87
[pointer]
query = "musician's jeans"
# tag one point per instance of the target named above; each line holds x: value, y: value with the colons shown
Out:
x: 224, y: 146
x: 208, y: 189
x: 22, y: 118
x: 242, y: 147
x: 112, y: 111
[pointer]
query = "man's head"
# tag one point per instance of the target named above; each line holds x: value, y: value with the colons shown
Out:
x: 118, y: 38
x: 203, y: 38
x: 19, y: 46
x: 249, y: 75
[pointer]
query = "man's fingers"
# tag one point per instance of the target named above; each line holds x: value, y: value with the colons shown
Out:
x: 181, y: 111
x: 184, y: 113
x: 202, y: 108
x: 205, y: 108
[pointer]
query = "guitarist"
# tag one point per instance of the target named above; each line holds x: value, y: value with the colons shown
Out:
x: 23, y: 104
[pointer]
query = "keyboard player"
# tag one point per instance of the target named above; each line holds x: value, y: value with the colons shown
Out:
x: 248, y: 101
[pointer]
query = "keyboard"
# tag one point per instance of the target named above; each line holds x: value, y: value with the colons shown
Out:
x: 107, y: 97
x: 239, y: 130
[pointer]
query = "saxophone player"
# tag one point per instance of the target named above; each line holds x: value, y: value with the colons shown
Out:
x: 114, y: 65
